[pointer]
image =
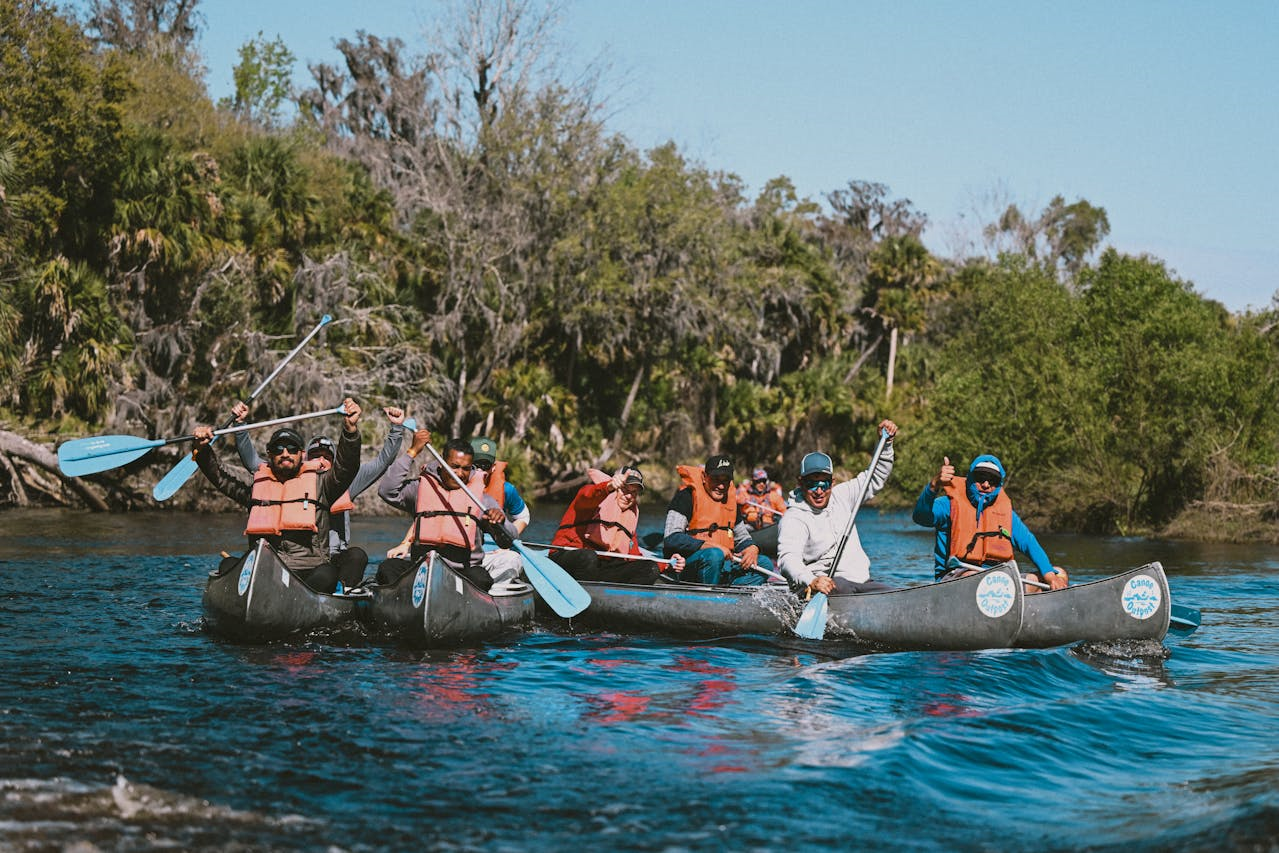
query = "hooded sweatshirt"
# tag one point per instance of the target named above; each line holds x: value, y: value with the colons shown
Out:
x: 808, y: 538
x: 933, y: 510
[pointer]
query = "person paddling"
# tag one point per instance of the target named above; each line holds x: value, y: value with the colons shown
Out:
x: 290, y: 496
x: 603, y: 516
x: 704, y: 526
x: 447, y: 520
x: 809, y: 535
x: 354, y: 559
x: 975, y: 523
x: 761, y: 500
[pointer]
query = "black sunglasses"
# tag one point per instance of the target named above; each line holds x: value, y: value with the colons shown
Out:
x: 280, y: 447
x: 483, y: 465
x: 989, y: 479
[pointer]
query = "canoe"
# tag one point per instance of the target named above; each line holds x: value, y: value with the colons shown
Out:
x: 435, y: 607
x: 259, y: 598
x: 978, y: 612
x: 1135, y: 605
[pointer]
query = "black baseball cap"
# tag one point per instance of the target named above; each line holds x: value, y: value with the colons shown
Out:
x: 720, y: 466
x: 287, y: 437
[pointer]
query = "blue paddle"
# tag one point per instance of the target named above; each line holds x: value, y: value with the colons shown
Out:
x: 557, y: 587
x: 83, y: 456
x: 812, y: 622
x: 182, y: 471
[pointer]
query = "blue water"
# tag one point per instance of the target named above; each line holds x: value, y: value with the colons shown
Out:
x: 127, y: 727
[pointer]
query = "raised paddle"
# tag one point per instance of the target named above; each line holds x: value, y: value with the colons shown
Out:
x: 812, y: 622
x: 557, y: 587
x: 82, y: 456
x: 185, y: 467
x: 1180, y: 616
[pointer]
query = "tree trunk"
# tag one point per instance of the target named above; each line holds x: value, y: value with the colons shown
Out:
x: 15, y: 445
x: 892, y: 360
x: 861, y: 359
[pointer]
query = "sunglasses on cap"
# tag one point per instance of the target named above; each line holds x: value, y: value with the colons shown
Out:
x: 990, y: 478
x: 817, y: 485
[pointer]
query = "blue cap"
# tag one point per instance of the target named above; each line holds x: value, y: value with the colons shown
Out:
x: 816, y: 463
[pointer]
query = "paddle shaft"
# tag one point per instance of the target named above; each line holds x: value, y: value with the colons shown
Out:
x: 615, y: 554
x: 324, y: 321
x: 870, y: 473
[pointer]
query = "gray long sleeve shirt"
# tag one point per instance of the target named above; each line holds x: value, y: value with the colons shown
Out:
x: 808, y: 538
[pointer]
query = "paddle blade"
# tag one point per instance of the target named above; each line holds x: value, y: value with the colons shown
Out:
x: 1184, y: 618
x: 83, y: 456
x: 557, y: 587
x: 175, y: 479
x: 812, y: 623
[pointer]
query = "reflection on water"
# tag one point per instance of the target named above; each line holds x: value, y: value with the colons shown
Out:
x: 129, y: 728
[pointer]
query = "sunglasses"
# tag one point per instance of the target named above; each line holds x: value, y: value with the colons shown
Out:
x: 817, y: 486
x: 988, y: 479
x: 277, y: 449
x: 484, y: 465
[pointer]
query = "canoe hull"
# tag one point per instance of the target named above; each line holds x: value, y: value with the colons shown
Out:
x: 260, y: 599
x: 983, y: 611
x: 433, y: 606
x: 1134, y: 605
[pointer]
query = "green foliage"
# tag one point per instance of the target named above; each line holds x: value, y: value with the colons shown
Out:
x: 262, y: 80
x: 62, y: 119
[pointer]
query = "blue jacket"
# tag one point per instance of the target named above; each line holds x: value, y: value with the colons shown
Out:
x: 933, y: 510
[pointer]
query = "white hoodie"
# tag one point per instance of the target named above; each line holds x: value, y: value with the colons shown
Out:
x: 807, y: 538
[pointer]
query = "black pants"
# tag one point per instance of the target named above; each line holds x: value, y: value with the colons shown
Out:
x: 392, y: 569
x: 347, y: 566
x: 844, y: 586
x: 586, y: 565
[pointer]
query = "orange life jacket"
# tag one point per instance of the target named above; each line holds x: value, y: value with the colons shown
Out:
x: 289, y: 505
x: 771, y: 505
x: 344, y: 503
x: 609, y: 528
x: 496, y: 486
x: 712, y: 520
x: 982, y: 542
x: 447, y: 516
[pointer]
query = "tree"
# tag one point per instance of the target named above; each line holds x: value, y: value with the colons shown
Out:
x: 135, y: 26
x: 1062, y: 237
x: 898, y: 283
x: 262, y: 80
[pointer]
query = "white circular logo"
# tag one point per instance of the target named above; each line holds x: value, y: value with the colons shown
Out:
x: 246, y: 574
x: 996, y: 594
x: 1142, y: 597
x: 419, y: 586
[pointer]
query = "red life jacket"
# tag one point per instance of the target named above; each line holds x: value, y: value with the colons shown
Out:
x: 291, y: 504
x: 975, y: 542
x: 712, y: 520
x: 608, y: 528
x: 447, y: 516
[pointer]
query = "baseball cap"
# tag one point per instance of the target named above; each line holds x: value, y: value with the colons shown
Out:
x: 287, y: 437
x: 631, y: 476
x: 816, y: 463
x: 759, y: 474
x: 485, y: 449
x: 321, y: 442
x: 720, y: 466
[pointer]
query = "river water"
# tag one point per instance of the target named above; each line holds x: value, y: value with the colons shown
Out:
x: 127, y: 727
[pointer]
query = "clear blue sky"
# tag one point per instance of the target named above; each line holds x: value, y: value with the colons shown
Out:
x: 1164, y: 113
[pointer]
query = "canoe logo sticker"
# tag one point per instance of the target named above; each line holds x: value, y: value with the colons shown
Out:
x: 996, y: 594
x: 419, y: 586
x: 246, y: 574
x: 1142, y: 597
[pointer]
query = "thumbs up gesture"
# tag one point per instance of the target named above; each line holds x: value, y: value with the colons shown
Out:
x: 944, y: 476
